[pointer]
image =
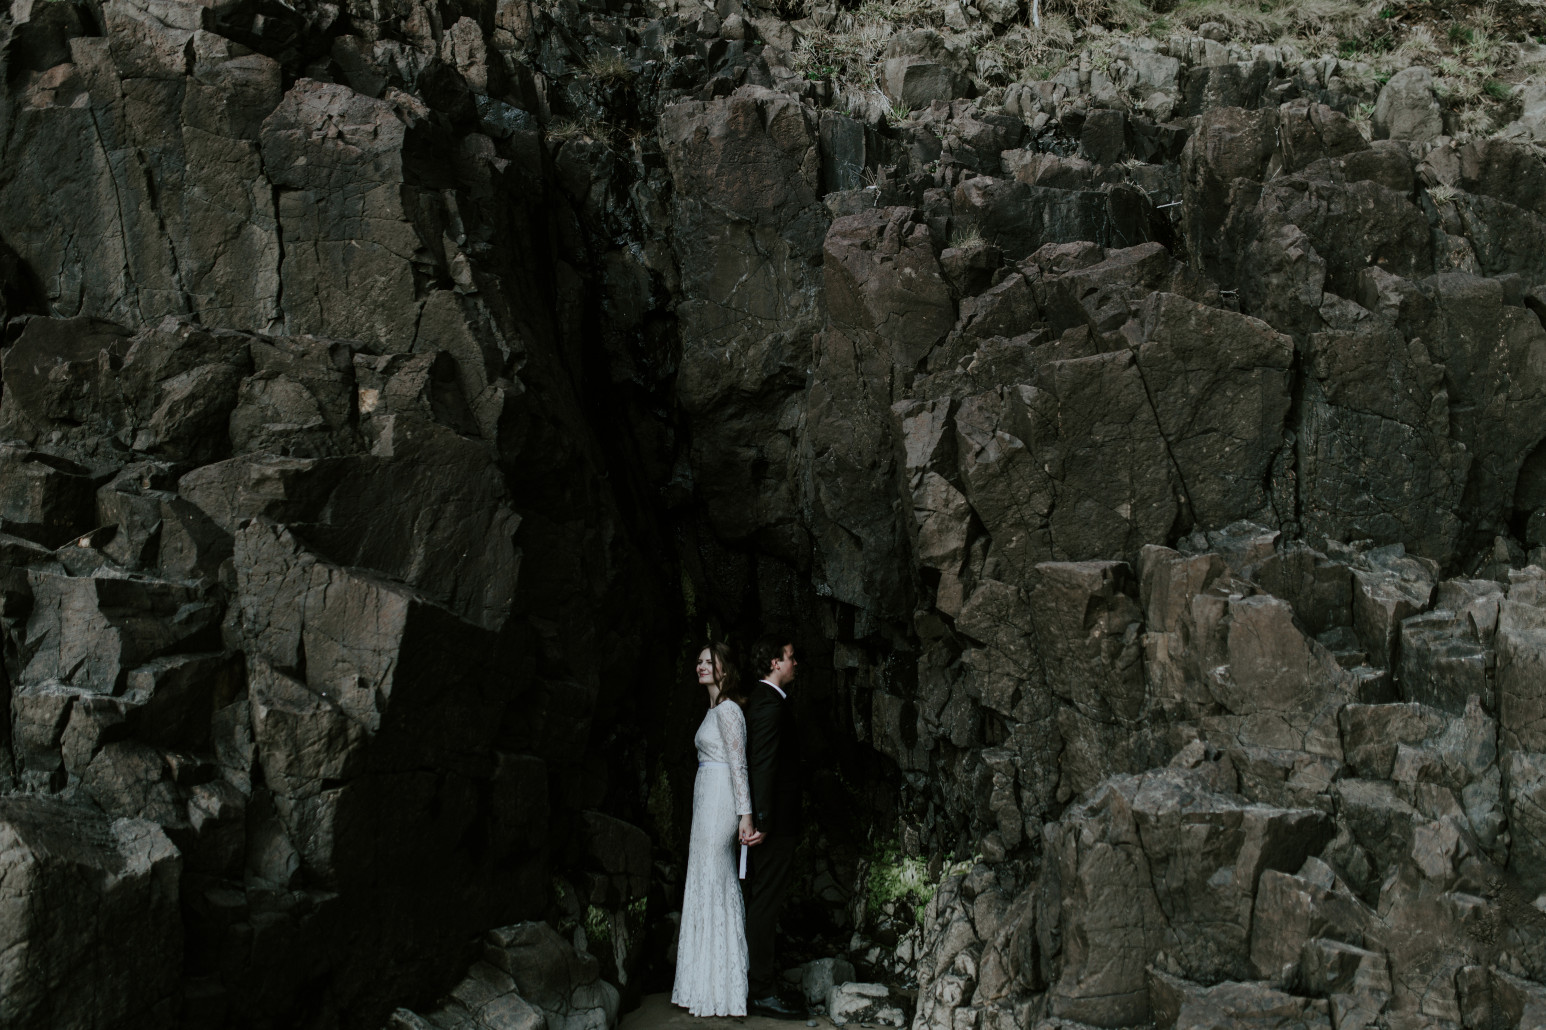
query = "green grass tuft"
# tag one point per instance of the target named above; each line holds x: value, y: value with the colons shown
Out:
x: 1496, y: 90
x: 894, y: 878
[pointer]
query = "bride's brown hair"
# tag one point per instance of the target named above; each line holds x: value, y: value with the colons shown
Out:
x: 726, y: 676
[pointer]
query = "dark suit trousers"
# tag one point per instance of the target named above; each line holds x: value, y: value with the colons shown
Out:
x: 767, y: 875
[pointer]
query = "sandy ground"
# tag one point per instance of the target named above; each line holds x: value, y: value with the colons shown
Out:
x: 657, y: 1013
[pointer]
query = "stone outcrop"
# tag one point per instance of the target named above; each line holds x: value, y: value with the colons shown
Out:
x: 1151, y: 465
x: 867, y: 1003
x: 1331, y: 840
x: 528, y: 978
x: 66, y: 867
x: 296, y: 605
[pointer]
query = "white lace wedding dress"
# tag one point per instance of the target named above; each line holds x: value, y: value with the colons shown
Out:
x: 711, y: 959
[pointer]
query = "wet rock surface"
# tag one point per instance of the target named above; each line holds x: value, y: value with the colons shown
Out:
x: 1151, y: 465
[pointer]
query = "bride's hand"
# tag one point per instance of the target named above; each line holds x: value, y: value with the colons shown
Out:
x: 749, y: 834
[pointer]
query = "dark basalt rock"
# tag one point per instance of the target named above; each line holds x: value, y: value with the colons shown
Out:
x: 68, y: 866
x: 390, y: 396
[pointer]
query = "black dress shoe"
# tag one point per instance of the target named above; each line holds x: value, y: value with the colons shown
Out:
x: 774, y: 1007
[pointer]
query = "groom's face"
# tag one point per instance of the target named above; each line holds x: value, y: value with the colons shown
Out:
x: 783, y: 668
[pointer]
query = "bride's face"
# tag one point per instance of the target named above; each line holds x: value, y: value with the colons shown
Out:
x: 705, y: 667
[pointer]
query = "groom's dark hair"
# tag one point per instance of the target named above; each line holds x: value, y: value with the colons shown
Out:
x: 768, y: 649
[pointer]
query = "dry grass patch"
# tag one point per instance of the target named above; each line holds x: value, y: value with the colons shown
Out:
x: 565, y: 130
x: 1470, y: 45
x: 608, y: 66
x: 966, y: 234
x: 1271, y: 19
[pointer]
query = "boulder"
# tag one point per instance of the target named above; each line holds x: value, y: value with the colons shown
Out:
x: 342, y: 276
x: 1087, y: 628
x: 90, y: 631
x: 1229, y: 143
x: 1521, y: 675
x: 1103, y: 137
x: 300, y: 401
x: 616, y: 854
x: 1388, y: 587
x: 1020, y: 448
x: 882, y: 277
x: 1517, y: 1002
x: 821, y: 975
x: 1008, y: 308
x: 1020, y: 218
x: 527, y: 979
x: 459, y: 551
x: 1524, y: 791
x: 1087, y: 622
x: 62, y: 369
x: 550, y: 973
x: 1495, y: 392
x: 911, y: 81
x: 919, y: 70
x: 198, y: 215
x: 1292, y: 911
x: 1179, y: 1005
x: 1159, y: 861
x: 1319, y: 589
x: 1397, y: 444
x: 1442, y: 663
x: 888, y: 305
x: 1280, y: 689
x: 1355, y: 981
x: 46, y: 499
x: 92, y: 932
x: 1309, y: 132
x: 995, y: 619
x: 1379, y: 819
x: 867, y: 1003
x: 1406, y: 107
x: 844, y: 156
x: 374, y: 731
x: 1247, y: 391
x: 1371, y: 734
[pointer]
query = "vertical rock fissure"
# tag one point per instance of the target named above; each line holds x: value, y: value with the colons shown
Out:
x: 1175, y: 465
x: 277, y: 319
x: 123, y: 229
x: 152, y: 195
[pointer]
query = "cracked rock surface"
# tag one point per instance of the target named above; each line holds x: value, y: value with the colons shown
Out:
x: 1151, y: 467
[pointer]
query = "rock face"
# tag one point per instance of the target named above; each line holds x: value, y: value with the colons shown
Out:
x: 1152, y: 468
x: 67, y: 867
x: 1187, y: 890
x: 306, y: 611
x: 529, y: 978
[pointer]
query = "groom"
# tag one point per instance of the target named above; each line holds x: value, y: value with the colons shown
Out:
x: 773, y: 761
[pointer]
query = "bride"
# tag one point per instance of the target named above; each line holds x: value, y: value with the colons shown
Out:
x: 711, y: 958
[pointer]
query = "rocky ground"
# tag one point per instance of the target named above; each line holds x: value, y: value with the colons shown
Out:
x: 1137, y: 412
x: 657, y: 1013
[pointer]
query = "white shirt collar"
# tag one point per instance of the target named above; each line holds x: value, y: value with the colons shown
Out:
x: 778, y: 688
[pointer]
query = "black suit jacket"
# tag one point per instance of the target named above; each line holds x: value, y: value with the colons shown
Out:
x: 773, y: 760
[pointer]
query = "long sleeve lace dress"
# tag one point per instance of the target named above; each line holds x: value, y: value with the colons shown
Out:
x: 711, y: 958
